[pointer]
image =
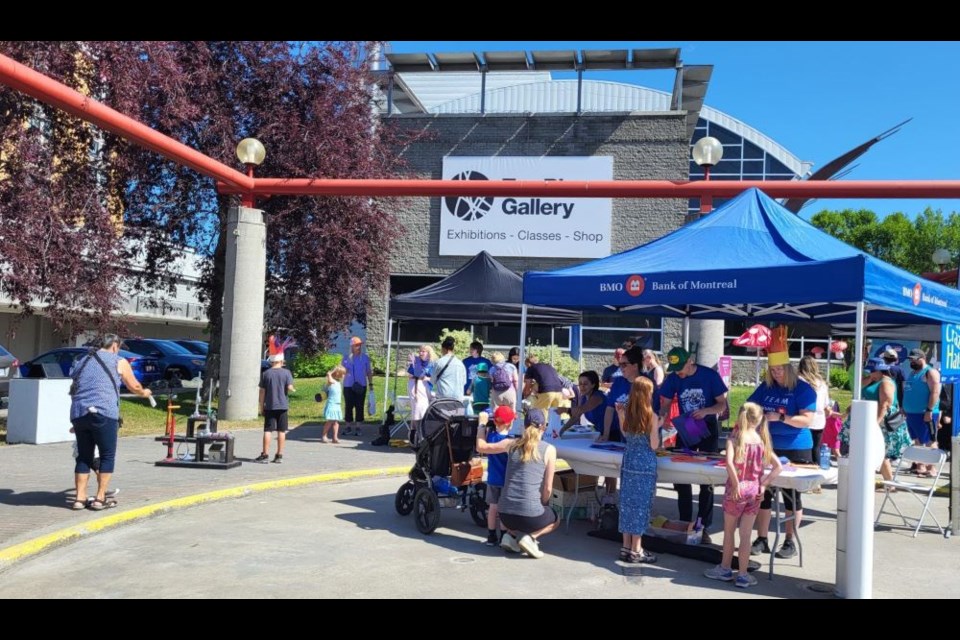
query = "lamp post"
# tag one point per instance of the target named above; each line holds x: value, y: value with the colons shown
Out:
x: 707, y: 152
x: 243, y: 298
x: 251, y: 153
x: 941, y: 258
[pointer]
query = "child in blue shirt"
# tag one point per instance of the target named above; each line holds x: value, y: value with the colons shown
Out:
x: 503, y: 417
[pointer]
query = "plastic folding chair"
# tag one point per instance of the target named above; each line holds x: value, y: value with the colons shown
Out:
x: 921, y: 491
x: 401, y: 406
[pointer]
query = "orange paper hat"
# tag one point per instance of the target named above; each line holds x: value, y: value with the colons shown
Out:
x: 778, y: 353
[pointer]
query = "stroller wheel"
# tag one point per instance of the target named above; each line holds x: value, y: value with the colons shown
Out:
x: 404, y: 500
x: 426, y: 510
x: 478, y: 504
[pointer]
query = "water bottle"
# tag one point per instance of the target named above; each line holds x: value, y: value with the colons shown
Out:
x: 824, y: 456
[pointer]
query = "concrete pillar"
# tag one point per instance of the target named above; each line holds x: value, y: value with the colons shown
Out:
x: 243, y: 294
x: 708, y: 334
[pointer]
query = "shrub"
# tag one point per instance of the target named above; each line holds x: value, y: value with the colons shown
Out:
x: 463, y: 339
x: 839, y: 379
x: 562, y: 362
x: 314, y: 366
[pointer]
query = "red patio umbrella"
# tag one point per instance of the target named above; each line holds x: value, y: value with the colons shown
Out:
x: 756, y: 337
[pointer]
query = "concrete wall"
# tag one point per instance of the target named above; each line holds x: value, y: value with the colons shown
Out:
x: 644, y: 146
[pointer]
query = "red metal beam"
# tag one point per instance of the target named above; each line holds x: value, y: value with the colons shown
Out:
x: 39, y: 86
x: 48, y: 90
x: 604, y: 188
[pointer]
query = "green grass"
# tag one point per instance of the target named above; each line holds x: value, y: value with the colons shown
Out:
x: 140, y: 419
x: 738, y: 395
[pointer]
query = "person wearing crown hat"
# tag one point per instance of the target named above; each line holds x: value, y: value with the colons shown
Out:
x: 789, y: 404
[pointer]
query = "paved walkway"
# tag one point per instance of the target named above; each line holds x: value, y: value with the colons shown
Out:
x: 36, y: 489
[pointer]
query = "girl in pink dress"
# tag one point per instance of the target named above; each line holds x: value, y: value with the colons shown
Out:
x: 748, y: 449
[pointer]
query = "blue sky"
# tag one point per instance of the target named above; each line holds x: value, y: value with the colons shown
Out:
x: 817, y: 99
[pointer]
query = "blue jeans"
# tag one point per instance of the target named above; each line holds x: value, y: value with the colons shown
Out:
x: 95, y: 431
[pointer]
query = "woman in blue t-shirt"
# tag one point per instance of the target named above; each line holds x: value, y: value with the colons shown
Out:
x: 789, y: 405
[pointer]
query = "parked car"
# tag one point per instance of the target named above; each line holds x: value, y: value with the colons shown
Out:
x: 175, y: 361
x: 145, y: 370
x: 9, y: 368
x: 202, y: 347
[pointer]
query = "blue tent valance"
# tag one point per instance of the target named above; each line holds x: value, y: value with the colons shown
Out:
x: 749, y: 259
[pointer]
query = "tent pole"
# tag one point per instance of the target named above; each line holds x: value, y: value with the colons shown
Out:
x: 386, y: 368
x: 858, y: 351
x: 398, y: 362
x: 686, y: 332
x: 553, y: 341
x: 829, y: 356
x: 523, y: 355
x: 580, y: 331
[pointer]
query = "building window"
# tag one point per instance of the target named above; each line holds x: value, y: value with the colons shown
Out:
x: 608, y: 331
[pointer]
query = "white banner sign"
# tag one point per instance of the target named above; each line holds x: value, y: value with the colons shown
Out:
x: 520, y: 226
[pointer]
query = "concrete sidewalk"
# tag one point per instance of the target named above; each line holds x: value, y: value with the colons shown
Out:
x: 36, y: 481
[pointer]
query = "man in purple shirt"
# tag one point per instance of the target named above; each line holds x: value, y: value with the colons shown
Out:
x: 359, y: 378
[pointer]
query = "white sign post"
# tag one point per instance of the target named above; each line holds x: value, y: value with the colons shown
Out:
x: 526, y: 227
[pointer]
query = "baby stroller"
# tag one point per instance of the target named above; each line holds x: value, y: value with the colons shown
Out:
x: 447, y: 437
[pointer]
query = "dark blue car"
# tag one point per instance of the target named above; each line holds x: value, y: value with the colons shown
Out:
x: 145, y: 370
x: 175, y: 361
x: 201, y: 347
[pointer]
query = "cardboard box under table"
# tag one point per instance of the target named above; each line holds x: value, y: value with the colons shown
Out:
x: 573, y: 495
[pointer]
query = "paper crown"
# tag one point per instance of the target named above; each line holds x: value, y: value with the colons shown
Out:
x: 276, y: 346
x: 778, y: 352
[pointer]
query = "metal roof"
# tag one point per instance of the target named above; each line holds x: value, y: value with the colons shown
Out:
x: 539, y: 94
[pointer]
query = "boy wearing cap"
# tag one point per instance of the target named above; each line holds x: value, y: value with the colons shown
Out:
x: 702, y: 394
x: 359, y: 379
x: 503, y: 418
x: 275, y: 383
x: 921, y: 403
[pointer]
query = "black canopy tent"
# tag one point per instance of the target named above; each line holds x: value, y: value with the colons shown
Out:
x: 482, y: 291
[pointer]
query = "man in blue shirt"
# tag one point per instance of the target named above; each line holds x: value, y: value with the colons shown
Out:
x: 701, y: 394
x: 476, y: 357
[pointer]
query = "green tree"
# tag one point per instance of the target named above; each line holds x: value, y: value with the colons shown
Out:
x: 896, y: 239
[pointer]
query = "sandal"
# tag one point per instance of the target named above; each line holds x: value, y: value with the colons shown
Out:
x: 99, y: 505
x: 643, y: 557
x: 78, y: 505
x: 625, y: 554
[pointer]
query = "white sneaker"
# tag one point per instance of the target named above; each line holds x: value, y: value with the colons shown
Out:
x: 530, y: 546
x: 509, y: 543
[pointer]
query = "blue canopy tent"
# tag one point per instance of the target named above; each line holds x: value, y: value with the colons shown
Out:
x: 751, y: 259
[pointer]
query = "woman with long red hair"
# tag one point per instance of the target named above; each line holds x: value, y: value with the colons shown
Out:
x: 640, y: 427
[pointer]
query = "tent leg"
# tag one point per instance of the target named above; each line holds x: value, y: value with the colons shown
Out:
x: 553, y: 341
x: 523, y: 355
x: 858, y: 350
x: 829, y: 356
x: 386, y: 368
x: 686, y: 332
x: 580, y: 331
x: 396, y: 377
